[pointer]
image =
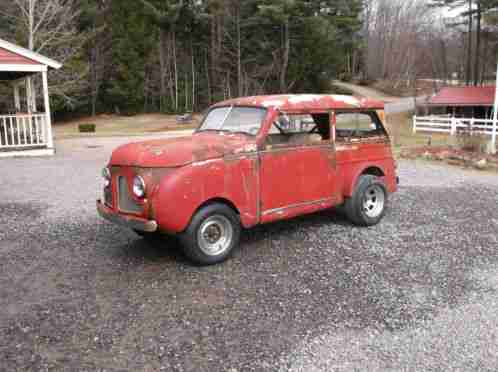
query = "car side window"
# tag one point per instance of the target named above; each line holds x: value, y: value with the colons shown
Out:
x: 290, y: 130
x: 357, y: 125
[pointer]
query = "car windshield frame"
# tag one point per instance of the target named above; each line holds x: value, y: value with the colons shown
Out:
x: 230, y: 108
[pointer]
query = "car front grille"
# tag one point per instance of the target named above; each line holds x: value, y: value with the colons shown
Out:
x: 125, y: 200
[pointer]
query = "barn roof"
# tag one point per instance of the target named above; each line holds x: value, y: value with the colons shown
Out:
x: 306, y: 102
x: 464, y: 96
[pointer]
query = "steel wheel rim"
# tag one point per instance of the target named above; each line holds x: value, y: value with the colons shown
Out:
x: 373, y: 202
x: 215, y: 235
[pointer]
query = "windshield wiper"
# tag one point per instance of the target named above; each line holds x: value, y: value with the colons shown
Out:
x: 213, y: 130
x: 242, y: 132
x: 225, y: 131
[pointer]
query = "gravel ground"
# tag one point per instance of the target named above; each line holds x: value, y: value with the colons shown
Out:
x: 417, y: 292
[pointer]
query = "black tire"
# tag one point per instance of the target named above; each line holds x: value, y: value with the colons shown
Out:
x: 224, y: 223
x: 354, y: 207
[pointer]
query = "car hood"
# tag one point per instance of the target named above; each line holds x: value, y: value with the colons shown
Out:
x: 180, y: 151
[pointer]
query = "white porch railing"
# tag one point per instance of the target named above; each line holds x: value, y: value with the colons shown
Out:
x: 445, y: 124
x: 20, y: 131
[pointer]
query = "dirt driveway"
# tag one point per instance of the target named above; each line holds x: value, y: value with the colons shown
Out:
x: 394, y: 105
x: 418, y: 292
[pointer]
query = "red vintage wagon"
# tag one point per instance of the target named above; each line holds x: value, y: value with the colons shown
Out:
x: 254, y: 160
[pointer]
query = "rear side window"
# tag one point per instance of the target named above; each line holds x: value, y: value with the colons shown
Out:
x: 299, y: 130
x: 358, y: 125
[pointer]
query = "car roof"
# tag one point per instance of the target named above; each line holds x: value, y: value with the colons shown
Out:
x: 297, y: 102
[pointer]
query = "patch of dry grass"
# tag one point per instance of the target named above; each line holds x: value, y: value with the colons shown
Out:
x: 115, y: 125
x: 400, y: 128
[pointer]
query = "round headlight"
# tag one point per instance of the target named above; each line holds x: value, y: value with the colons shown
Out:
x: 138, y: 187
x: 106, y: 175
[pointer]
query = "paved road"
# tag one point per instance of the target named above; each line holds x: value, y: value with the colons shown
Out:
x: 394, y: 105
x: 417, y: 292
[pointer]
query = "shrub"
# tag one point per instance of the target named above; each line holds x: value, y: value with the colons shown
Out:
x: 472, y: 142
x: 86, y: 128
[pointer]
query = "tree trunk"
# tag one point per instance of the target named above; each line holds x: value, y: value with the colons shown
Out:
x: 208, y: 80
x: 186, y: 93
x: 213, y: 58
x: 444, y: 61
x: 285, y: 59
x: 175, y: 70
x: 162, y: 70
x: 468, y: 72
x: 30, y: 91
x: 193, y: 74
x: 239, y: 56
x: 484, y: 65
x: 93, y: 82
x: 478, y: 45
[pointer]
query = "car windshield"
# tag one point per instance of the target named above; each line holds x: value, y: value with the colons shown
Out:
x: 246, y: 120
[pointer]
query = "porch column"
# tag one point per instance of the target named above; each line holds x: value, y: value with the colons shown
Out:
x: 33, y: 96
x: 17, y: 99
x: 495, y: 117
x: 28, y: 95
x: 48, y: 119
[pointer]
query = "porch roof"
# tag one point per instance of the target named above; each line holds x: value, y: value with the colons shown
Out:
x: 464, y: 96
x: 17, y: 62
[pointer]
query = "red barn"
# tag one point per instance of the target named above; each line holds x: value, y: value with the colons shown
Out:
x: 464, y: 102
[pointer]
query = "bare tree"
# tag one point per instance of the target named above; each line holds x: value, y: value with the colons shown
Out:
x: 49, y: 27
x: 395, y: 30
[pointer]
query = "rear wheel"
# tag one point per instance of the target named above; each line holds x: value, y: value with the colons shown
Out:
x: 212, y: 234
x: 368, y: 204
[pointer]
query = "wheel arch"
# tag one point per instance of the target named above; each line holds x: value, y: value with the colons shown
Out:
x: 373, y: 171
x: 219, y: 200
x: 369, y: 169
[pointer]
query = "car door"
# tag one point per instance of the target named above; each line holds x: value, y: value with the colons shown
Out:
x: 297, y: 170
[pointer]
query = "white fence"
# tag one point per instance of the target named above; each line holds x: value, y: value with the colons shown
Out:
x: 19, y: 131
x: 445, y: 124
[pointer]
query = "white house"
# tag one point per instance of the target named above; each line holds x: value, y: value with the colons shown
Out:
x: 25, y: 131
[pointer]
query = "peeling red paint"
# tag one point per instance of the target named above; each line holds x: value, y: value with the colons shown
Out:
x: 263, y: 182
x: 306, y: 102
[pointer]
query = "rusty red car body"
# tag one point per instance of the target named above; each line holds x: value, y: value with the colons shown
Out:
x: 260, y: 182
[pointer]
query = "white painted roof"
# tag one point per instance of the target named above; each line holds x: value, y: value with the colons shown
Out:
x: 30, y: 54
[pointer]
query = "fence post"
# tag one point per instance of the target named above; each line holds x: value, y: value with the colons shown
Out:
x: 414, y: 124
x: 472, y: 126
x: 453, y: 126
x: 493, y: 136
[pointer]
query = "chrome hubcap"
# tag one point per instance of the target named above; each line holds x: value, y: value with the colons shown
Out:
x: 373, y: 204
x: 215, y: 235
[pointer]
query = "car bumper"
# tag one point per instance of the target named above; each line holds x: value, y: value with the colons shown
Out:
x: 134, y: 223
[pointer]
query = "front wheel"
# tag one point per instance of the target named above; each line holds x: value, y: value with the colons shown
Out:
x: 368, y: 203
x: 212, y: 234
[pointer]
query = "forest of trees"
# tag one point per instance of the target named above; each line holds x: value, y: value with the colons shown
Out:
x: 181, y: 55
x: 446, y: 40
x: 131, y: 56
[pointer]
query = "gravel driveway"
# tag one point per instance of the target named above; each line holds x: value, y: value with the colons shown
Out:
x: 417, y: 292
